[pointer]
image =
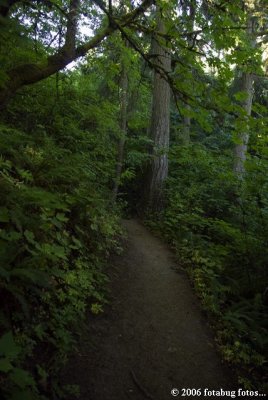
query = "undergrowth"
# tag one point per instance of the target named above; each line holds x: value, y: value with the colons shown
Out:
x: 218, y: 228
x: 57, y: 229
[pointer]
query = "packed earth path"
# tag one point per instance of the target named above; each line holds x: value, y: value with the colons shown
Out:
x: 153, y: 336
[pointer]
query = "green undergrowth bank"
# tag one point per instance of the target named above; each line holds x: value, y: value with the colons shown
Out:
x: 218, y: 228
x: 57, y: 229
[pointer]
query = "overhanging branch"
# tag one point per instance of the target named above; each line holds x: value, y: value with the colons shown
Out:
x: 30, y: 73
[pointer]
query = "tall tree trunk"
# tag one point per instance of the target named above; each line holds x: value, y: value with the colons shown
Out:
x: 186, y: 128
x: 159, y: 130
x: 188, y: 11
x: 245, y: 85
x: 123, y: 128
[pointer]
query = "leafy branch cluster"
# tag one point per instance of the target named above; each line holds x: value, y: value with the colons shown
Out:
x: 56, y: 231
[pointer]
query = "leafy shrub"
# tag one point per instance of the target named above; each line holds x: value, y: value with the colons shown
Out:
x: 218, y: 227
x: 56, y: 229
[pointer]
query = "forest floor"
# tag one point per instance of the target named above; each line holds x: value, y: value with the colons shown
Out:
x: 152, y: 337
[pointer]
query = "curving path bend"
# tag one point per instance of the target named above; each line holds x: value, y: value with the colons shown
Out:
x: 153, y: 337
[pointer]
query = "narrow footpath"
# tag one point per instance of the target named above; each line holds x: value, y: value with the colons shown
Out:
x: 153, y: 336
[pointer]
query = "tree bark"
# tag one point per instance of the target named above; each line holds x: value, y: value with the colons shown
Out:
x: 245, y: 85
x: 123, y: 129
x: 71, y: 29
x: 30, y: 73
x: 189, y: 11
x: 159, y: 130
x: 186, y: 128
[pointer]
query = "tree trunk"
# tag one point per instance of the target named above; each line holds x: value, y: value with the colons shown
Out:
x: 186, y: 129
x: 189, y: 11
x: 245, y: 85
x: 159, y: 130
x: 123, y: 129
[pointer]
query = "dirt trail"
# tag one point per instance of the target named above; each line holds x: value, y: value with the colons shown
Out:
x: 153, y: 337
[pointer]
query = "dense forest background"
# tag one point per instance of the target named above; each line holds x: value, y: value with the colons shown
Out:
x: 162, y: 113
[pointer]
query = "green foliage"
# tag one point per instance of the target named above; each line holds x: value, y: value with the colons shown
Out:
x: 58, y: 145
x: 56, y: 230
x: 219, y: 231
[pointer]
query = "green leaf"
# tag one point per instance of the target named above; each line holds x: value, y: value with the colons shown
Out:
x: 26, y: 175
x: 42, y: 373
x: 23, y: 394
x: 61, y: 217
x: 4, y: 273
x: 4, y: 216
x: 10, y: 236
x: 241, y: 96
x: 39, y: 278
x: 54, y: 250
x: 29, y: 236
x: 5, y: 365
x: 8, y: 347
x: 22, y: 378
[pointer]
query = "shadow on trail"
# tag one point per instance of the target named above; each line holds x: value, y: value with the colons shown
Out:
x: 153, y: 337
